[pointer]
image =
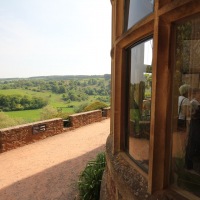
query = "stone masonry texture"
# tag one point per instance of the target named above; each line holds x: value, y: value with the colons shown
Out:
x: 11, y: 138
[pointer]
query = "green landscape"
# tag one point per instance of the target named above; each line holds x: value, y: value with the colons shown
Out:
x: 37, y: 98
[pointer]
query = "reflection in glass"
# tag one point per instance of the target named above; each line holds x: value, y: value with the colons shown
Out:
x: 186, y: 123
x: 140, y: 102
x: 137, y: 10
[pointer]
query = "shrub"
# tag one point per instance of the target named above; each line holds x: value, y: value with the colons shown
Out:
x: 95, y: 105
x: 80, y: 108
x: 6, y: 121
x: 63, y: 115
x: 48, y: 112
x: 89, y: 183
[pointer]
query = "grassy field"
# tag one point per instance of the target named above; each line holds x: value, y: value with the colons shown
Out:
x: 27, y: 115
x: 32, y: 115
x: 55, y: 100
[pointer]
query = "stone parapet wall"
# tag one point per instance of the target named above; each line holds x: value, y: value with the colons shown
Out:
x: 13, y: 137
x: 84, y: 118
x: 17, y: 136
x: 106, y: 112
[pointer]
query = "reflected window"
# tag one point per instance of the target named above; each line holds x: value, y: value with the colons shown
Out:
x: 139, y: 102
x: 137, y: 10
x: 186, y: 107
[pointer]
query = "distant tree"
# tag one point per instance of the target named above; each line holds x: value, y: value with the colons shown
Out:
x: 64, y: 97
x: 108, y: 87
x: 92, y: 81
x: 90, y: 91
x: 107, y: 76
x: 61, y: 89
x: 78, y: 83
x: 19, y: 102
x: 84, y: 84
x: 54, y: 88
x: 105, y: 99
x: 101, y: 83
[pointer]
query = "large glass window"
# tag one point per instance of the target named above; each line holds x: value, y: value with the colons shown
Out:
x: 137, y: 10
x: 139, y: 106
x: 186, y: 107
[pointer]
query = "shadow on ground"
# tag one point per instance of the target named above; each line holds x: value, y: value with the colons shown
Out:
x: 56, y: 183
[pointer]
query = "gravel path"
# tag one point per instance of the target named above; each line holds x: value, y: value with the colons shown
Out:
x: 49, y: 169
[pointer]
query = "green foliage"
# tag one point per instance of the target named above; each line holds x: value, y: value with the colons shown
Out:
x: 85, y: 86
x: 63, y: 115
x: 107, y: 76
x: 105, y: 99
x: 70, y: 93
x: 89, y: 183
x: 135, y: 116
x: 27, y: 115
x: 48, y: 112
x: 95, y: 106
x: 75, y: 95
x: 19, y: 102
x: 80, y: 108
x: 6, y: 121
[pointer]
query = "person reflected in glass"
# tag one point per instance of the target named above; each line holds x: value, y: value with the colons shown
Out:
x: 193, y: 144
x: 183, y: 107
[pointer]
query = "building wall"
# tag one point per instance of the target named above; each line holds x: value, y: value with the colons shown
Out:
x: 123, y: 180
x: 119, y: 176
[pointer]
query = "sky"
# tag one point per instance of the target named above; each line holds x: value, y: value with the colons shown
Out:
x: 54, y: 37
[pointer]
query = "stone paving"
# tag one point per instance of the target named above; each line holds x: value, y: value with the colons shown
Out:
x: 49, y: 169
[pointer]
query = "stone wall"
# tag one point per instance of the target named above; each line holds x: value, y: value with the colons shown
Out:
x: 84, y: 118
x: 123, y: 181
x: 13, y: 137
x: 106, y: 112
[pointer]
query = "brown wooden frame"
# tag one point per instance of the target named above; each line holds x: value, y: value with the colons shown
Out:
x: 126, y: 94
x: 159, y: 24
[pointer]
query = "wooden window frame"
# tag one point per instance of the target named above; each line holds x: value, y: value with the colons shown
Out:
x: 126, y: 98
x: 159, y: 24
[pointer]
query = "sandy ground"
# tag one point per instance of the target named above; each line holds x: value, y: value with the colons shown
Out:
x: 49, y: 169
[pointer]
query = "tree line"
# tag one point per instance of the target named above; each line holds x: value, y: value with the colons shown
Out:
x: 20, y: 102
x: 71, y: 90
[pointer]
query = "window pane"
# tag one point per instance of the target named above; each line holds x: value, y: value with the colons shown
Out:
x: 140, y: 102
x: 186, y: 101
x: 137, y: 10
